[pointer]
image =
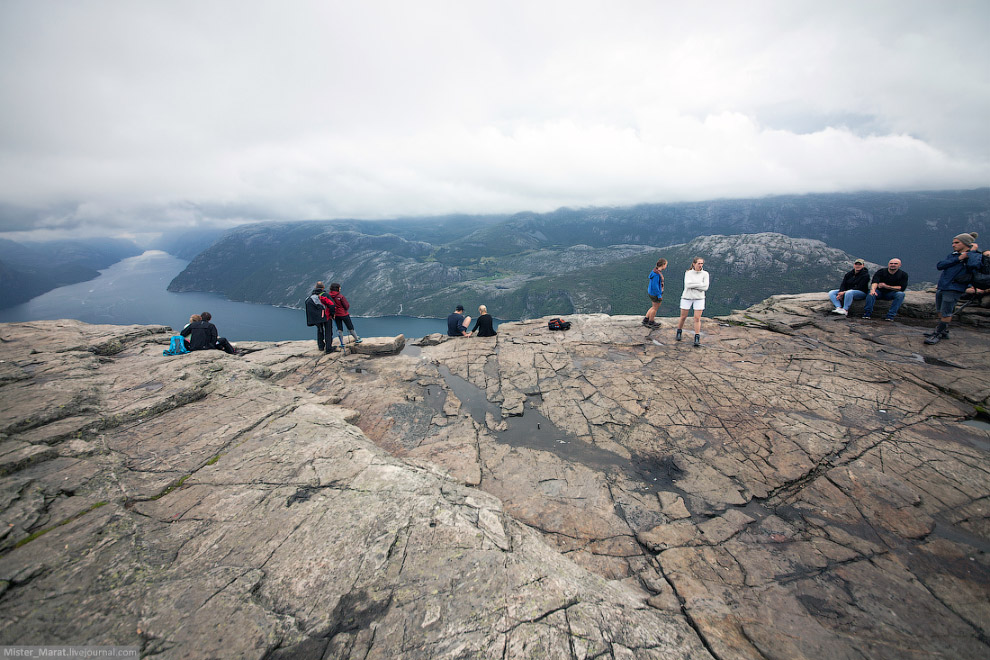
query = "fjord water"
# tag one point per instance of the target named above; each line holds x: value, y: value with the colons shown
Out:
x: 133, y: 291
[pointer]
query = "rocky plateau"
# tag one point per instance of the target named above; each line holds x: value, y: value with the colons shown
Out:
x: 802, y: 485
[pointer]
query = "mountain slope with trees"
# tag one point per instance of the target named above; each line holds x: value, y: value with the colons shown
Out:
x: 586, y: 260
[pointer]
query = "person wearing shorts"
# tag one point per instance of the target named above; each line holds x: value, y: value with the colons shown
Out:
x: 965, y: 254
x: 693, y: 297
x: 655, y: 291
x: 342, y: 314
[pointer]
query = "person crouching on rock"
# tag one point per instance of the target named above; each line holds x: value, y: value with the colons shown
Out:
x: 695, y: 285
x: 483, y: 325
x: 965, y: 255
x: 203, y: 335
x: 319, y: 312
x: 341, y: 315
x: 655, y: 291
x: 457, y: 323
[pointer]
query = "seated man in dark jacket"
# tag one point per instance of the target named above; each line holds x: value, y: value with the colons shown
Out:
x: 854, y: 286
x: 202, y: 336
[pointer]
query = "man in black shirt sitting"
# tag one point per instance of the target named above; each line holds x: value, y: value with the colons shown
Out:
x: 888, y: 284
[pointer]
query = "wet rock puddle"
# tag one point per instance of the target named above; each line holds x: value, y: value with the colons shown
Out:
x: 534, y: 431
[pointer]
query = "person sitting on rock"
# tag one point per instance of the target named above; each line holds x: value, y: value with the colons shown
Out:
x: 203, y: 336
x: 195, y: 318
x: 888, y: 283
x: 965, y: 254
x: 854, y: 286
x: 483, y: 325
x: 457, y: 323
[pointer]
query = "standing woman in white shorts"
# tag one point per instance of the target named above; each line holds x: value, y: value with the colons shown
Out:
x: 695, y: 285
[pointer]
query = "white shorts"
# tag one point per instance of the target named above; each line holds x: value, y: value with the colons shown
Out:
x: 699, y: 304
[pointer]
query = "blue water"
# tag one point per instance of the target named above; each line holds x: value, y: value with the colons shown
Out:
x: 133, y: 292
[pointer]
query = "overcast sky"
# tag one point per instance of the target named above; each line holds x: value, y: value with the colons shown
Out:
x: 127, y: 117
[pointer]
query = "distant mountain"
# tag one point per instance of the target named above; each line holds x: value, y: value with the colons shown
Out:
x: 916, y: 226
x: 529, y: 264
x: 187, y: 244
x: 32, y: 268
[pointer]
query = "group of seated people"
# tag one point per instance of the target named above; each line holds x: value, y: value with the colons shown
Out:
x: 458, y: 323
x: 200, y: 335
x: 891, y: 282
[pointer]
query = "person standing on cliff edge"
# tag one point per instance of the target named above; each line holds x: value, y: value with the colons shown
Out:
x: 695, y: 285
x: 342, y: 315
x: 965, y: 255
x: 655, y: 291
x: 319, y: 312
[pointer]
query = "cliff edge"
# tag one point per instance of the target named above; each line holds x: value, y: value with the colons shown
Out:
x: 801, y: 485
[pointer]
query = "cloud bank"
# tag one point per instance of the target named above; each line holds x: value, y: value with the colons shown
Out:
x: 135, y: 117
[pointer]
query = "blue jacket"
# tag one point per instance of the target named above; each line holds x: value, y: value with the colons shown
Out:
x: 656, y: 284
x: 951, y: 267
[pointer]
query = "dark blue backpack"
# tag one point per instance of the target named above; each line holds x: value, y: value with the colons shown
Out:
x: 176, y: 346
x: 977, y: 276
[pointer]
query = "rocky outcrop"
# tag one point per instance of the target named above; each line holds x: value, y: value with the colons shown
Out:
x: 802, y: 486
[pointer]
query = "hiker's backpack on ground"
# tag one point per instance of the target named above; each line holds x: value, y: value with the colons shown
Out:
x: 559, y: 324
x: 978, y: 277
x: 176, y: 346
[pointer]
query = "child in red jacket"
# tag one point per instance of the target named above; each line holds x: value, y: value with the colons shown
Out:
x: 342, y: 315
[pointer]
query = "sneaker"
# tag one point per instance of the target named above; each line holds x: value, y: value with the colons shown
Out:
x: 646, y: 321
x: 933, y: 339
x: 357, y: 341
x: 842, y: 312
x: 654, y: 324
x: 888, y: 318
x: 678, y: 337
x: 697, y: 340
x: 867, y: 317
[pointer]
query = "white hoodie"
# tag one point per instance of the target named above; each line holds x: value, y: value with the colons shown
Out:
x: 695, y: 284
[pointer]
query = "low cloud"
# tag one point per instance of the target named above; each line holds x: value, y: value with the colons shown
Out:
x: 116, y: 118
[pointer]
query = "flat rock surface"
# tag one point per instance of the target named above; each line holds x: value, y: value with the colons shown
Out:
x: 800, y: 486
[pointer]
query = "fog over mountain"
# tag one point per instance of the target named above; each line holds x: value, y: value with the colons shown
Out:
x: 587, y: 260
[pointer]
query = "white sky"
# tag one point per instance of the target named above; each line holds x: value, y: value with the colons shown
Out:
x: 127, y: 117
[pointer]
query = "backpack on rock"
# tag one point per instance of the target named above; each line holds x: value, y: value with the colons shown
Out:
x: 176, y: 346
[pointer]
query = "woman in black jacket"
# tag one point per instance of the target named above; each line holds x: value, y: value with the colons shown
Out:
x: 483, y: 324
x: 854, y: 287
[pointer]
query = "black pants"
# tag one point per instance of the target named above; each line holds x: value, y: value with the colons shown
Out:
x: 324, y: 335
x: 225, y: 346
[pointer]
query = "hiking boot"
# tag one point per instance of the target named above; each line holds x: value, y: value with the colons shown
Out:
x: 934, y: 338
x: 678, y: 337
x: 697, y: 340
x: 646, y: 321
x: 654, y: 324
